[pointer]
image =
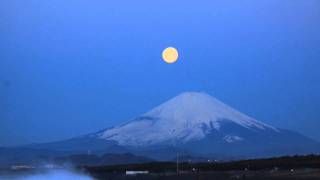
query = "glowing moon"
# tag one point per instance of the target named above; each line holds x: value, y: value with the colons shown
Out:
x: 170, y: 55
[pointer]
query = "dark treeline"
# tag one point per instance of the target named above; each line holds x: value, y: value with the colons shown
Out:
x: 279, y: 163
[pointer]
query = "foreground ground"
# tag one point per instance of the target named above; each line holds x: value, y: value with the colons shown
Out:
x: 303, y: 174
x: 283, y: 168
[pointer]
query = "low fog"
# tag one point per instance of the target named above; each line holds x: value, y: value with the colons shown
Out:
x: 51, y: 175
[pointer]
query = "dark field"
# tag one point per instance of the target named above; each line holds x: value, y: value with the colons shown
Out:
x: 228, y: 175
x: 284, y: 168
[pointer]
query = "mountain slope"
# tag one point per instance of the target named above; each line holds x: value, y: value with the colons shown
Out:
x: 200, y: 124
x: 187, y: 117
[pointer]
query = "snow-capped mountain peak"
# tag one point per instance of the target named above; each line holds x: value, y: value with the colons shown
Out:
x: 187, y: 117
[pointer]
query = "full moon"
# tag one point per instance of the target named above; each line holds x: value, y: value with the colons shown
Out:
x: 170, y: 55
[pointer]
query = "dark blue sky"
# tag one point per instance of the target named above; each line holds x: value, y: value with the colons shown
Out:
x: 72, y: 67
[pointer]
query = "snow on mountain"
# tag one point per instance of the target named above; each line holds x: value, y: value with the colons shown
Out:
x: 231, y: 139
x: 188, y: 117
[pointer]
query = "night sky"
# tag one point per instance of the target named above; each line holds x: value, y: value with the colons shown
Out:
x: 71, y: 67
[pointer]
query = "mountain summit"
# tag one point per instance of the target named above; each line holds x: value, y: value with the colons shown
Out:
x: 187, y: 117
